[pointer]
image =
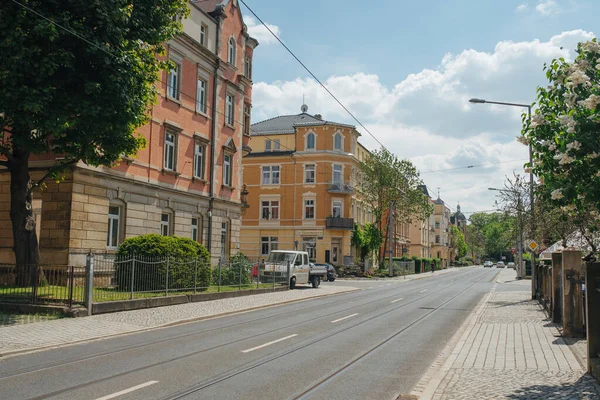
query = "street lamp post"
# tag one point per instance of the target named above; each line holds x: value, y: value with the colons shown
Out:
x: 531, y: 200
x: 520, y: 233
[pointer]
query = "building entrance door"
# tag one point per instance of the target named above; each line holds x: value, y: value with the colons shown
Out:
x: 336, y: 251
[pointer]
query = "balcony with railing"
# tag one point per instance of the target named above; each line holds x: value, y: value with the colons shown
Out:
x: 339, y: 223
x: 340, y: 187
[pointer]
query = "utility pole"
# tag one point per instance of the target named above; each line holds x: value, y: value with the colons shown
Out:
x: 391, y: 219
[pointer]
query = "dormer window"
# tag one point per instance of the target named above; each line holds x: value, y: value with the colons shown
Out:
x: 337, y: 142
x: 231, y: 52
x: 310, y: 141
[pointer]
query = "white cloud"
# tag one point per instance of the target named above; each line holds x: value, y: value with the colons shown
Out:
x: 260, y: 32
x: 547, y: 7
x: 427, y: 118
x: 522, y: 7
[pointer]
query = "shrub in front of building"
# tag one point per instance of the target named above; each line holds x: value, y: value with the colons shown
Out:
x: 236, y: 273
x: 148, y: 258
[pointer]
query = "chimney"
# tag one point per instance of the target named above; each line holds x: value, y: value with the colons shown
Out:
x: 319, y: 117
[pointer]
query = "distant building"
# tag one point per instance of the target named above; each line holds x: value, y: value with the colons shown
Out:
x: 442, y: 245
x: 459, y: 220
x: 422, y: 232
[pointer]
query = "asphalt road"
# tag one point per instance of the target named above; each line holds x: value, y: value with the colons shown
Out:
x: 371, y: 344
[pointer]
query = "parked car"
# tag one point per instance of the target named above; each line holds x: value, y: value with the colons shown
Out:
x: 500, y: 264
x: 510, y: 265
x: 331, y: 274
x: 488, y: 264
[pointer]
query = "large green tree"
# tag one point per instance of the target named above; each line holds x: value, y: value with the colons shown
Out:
x: 458, y: 242
x: 493, y: 232
x: 388, y: 181
x: 77, y: 78
x: 563, y: 133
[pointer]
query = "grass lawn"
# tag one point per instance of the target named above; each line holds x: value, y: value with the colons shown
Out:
x: 54, y: 294
x: 9, y: 319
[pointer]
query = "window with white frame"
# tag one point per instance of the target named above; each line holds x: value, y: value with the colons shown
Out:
x: 114, y: 222
x: 268, y: 143
x: 309, y: 173
x: 337, y: 142
x: 276, y: 144
x: 231, y: 52
x: 267, y: 244
x: 337, y: 174
x: 337, y: 208
x: 309, y: 209
x: 354, y: 146
x: 165, y: 224
x: 203, y: 34
x: 270, y: 175
x: 229, y: 117
x: 246, y: 119
x: 269, y: 209
x: 199, y: 160
x: 170, y: 153
x: 201, y: 95
x: 248, y: 68
x: 227, y: 158
x: 195, y: 230
x: 310, y: 141
x: 437, y: 224
x: 173, y: 80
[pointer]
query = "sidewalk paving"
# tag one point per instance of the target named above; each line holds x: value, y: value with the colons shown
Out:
x: 27, y: 337
x: 508, y: 349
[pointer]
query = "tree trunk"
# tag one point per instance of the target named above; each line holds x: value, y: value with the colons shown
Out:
x: 26, y: 249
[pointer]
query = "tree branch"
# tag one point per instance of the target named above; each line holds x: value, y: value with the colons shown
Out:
x: 50, y: 172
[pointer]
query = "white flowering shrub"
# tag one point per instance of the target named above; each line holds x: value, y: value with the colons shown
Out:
x: 565, y: 133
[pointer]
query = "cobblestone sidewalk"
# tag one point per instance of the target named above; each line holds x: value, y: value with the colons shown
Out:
x: 510, y: 350
x: 20, y: 338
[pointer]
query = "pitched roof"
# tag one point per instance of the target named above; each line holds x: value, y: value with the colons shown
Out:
x: 209, y: 6
x: 287, y: 124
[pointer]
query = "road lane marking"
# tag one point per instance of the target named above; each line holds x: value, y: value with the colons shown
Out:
x: 423, y: 291
x: 394, y: 301
x: 341, y: 319
x: 270, y: 343
x: 131, y: 389
x: 370, y: 287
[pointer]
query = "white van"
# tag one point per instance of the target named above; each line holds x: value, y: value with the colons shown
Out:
x: 301, y: 270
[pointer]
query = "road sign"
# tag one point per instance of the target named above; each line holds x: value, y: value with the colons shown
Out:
x: 532, y: 245
x: 513, y: 250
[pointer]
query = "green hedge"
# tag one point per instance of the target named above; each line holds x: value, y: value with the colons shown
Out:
x: 230, y: 274
x: 188, y: 263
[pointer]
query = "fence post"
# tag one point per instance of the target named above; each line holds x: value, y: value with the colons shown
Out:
x: 89, y: 283
x: 240, y: 273
x: 132, y: 276
x: 71, y: 277
x: 219, y: 284
x: 34, y: 283
x: 195, y: 275
x: 288, y: 274
x: 167, y: 278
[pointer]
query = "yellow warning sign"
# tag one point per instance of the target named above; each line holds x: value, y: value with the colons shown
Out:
x: 533, y: 245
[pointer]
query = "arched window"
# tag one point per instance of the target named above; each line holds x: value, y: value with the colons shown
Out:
x: 337, y: 142
x: 231, y: 51
x: 310, y: 141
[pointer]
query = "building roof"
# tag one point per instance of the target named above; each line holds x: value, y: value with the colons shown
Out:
x: 459, y: 215
x: 209, y: 6
x: 287, y: 123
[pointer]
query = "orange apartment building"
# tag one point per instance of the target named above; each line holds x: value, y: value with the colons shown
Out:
x: 301, y: 177
x: 188, y: 180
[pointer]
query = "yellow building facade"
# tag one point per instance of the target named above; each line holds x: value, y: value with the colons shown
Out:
x: 301, y: 179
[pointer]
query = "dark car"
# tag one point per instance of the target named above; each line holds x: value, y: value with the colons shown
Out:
x: 331, y: 275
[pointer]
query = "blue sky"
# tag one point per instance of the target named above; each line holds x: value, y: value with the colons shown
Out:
x: 407, y: 69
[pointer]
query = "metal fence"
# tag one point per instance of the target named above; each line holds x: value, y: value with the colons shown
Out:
x: 403, y: 268
x: 42, y: 284
x: 134, y: 277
